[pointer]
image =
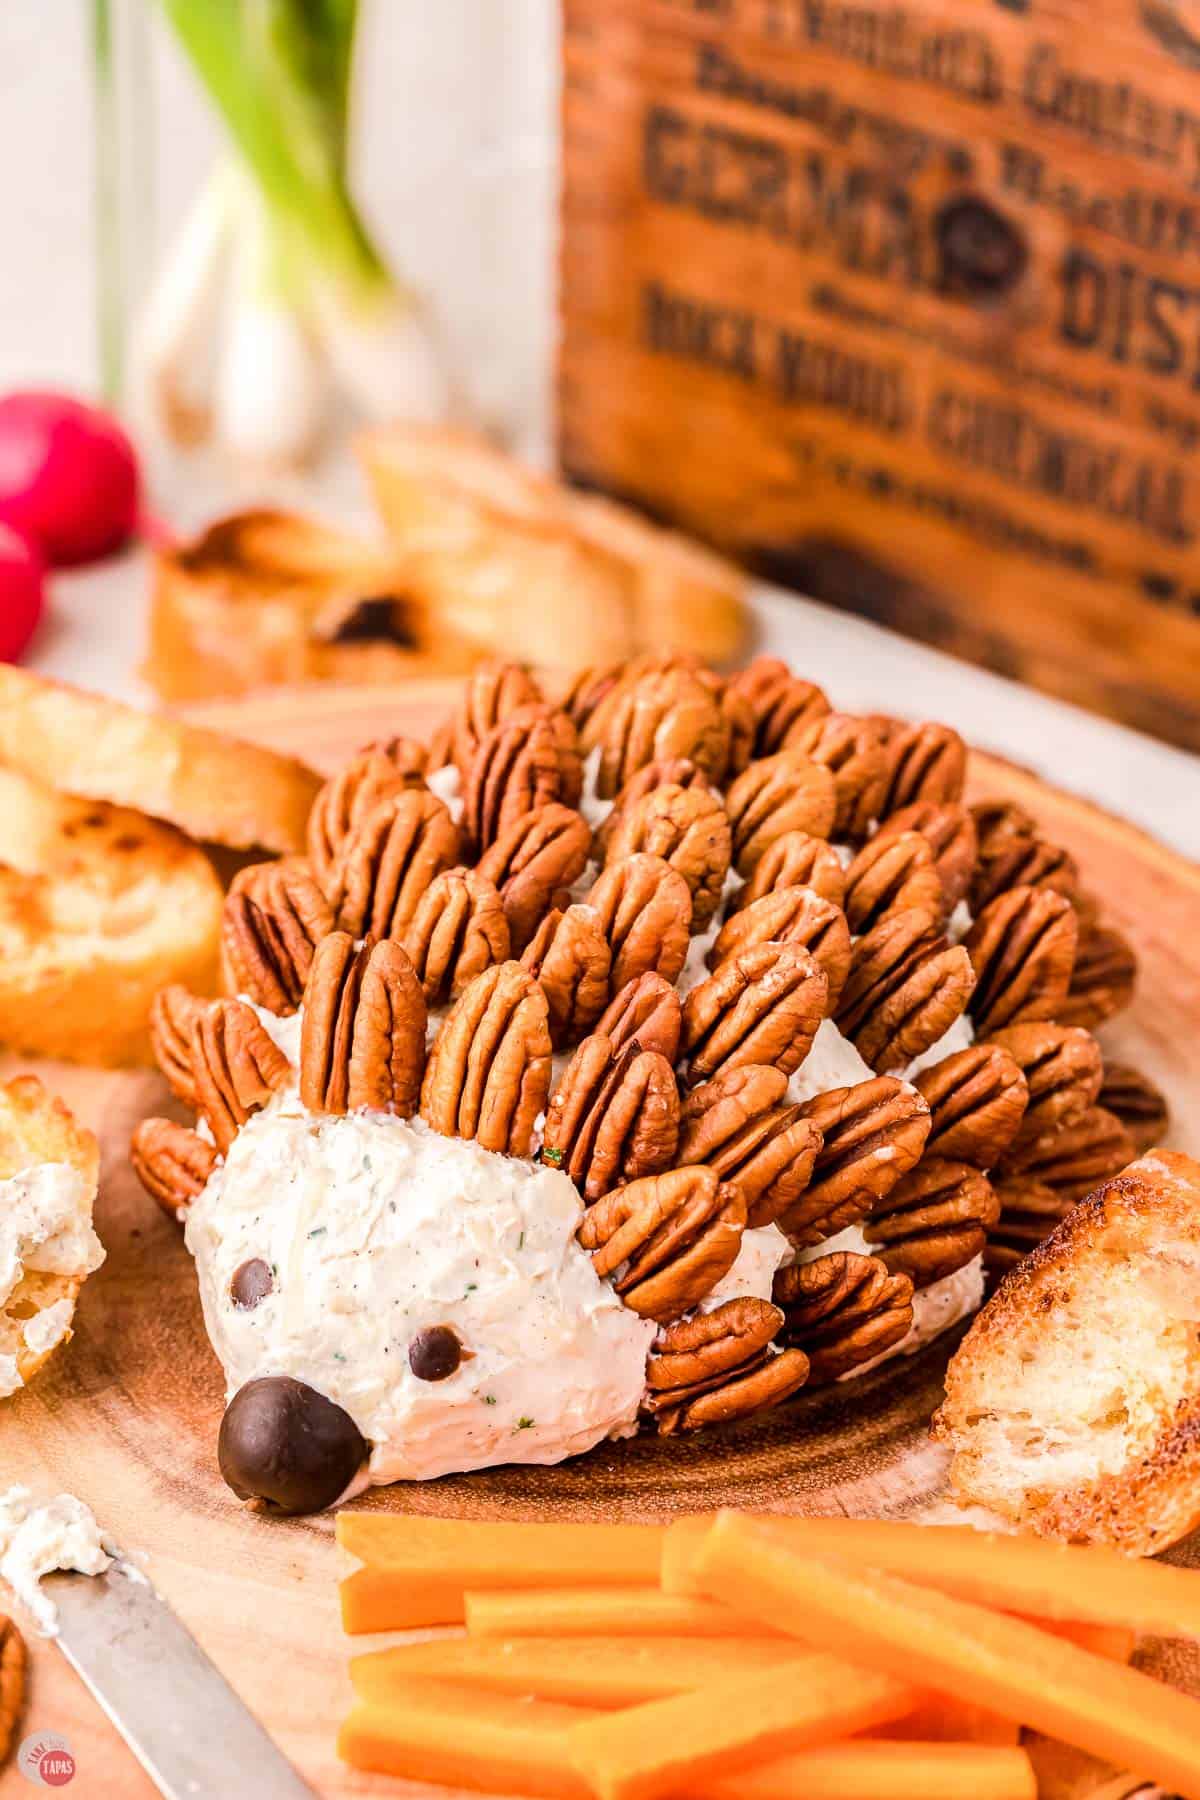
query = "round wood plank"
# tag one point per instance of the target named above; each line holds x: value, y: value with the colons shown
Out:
x: 127, y: 1416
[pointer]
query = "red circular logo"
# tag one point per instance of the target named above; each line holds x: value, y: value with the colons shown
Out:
x: 57, y: 1767
x: 46, y: 1759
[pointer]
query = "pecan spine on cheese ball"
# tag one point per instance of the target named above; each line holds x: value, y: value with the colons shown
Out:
x: 782, y: 703
x: 569, y: 957
x: 675, y: 771
x: 853, y: 751
x: 172, y: 1163
x: 459, y: 928
x: 689, y: 829
x: 533, y: 863
x: 528, y: 760
x: 1063, y: 1070
x: 1022, y: 948
x: 791, y: 916
x: 718, y: 1366
x: 934, y: 1221
x: 907, y: 985
x: 739, y: 1125
x: 488, y: 1074
x: 389, y: 860
x: 763, y: 1005
x: 664, y: 713
x: 1074, y: 1158
x: 236, y: 1067
x: 843, y: 1310
x: 492, y: 693
x: 925, y: 762
x: 376, y: 774
x: 362, y: 1041
x: 645, y: 910
x: 647, y: 1009
x: 872, y: 1134
x: 614, y: 1116
x: 1140, y: 1105
x: 977, y: 1099
x: 1102, y: 979
x: 892, y: 874
x: 665, y: 1241
x: 1013, y: 861
x: 1029, y: 1211
x: 173, y: 1014
x: 268, y: 937
x: 794, y: 860
x: 781, y: 794
x: 949, y: 830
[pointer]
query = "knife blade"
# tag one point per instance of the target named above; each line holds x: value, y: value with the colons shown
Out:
x: 172, y: 1705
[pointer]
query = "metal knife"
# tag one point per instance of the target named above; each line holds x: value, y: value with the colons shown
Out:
x: 172, y: 1705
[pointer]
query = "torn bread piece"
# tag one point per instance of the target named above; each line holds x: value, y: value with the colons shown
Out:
x: 49, y: 1168
x: 100, y: 907
x: 1073, y: 1404
x: 215, y: 788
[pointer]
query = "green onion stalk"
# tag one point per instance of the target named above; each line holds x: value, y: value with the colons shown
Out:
x: 275, y: 298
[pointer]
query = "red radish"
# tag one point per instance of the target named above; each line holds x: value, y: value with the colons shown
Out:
x: 68, y: 476
x: 22, y: 593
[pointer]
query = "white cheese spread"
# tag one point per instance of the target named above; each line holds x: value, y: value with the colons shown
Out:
x: 833, y: 1062
x: 375, y: 1228
x: 763, y: 1250
x: 34, y: 1540
x: 45, y: 1229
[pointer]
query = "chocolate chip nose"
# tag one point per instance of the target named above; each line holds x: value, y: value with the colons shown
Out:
x: 284, y: 1443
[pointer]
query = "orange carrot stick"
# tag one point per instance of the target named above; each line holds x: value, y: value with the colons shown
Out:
x: 1001, y: 1663
x: 673, y: 1746
x: 869, y: 1769
x: 597, y: 1672
x: 437, y: 1732
x: 418, y: 1569
x: 1082, y: 1584
x: 600, y: 1612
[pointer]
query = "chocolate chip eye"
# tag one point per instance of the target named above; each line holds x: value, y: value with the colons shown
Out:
x: 251, y: 1283
x: 435, y: 1353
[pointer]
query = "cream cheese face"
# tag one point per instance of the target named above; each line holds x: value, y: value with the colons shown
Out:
x: 375, y: 1228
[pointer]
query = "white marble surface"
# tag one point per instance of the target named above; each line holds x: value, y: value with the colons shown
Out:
x: 96, y: 637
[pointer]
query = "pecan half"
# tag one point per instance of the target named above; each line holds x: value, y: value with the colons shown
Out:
x: 742, y: 730
x: 1022, y: 948
x: 794, y: 860
x: 927, y: 762
x: 1102, y: 980
x: 665, y: 713
x: 907, y: 985
x: 389, y: 860
x: 491, y: 694
x: 977, y: 1099
x: 173, y: 1014
x: 1134, y: 1099
x: 934, y: 1221
x: 688, y: 828
x: 459, y: 929
x: 488, y: 1075
x: 843, y: 1310
x: 645, y: 909
x: 891, y: 874
x: 14, y: 1667
x: 783, y: 793
x: 1018, y: 861
x: 613, y: 1117
x: 853, y: 751
x: 236, y: 1066
x: 872, y: 1134
x: 362, y: 1042
x: 738, y: 1126
x: 367, y: 780
x: 666, y: 1240
x: 950, y: 833
x: 781, y: 702
x: 1029, y: 1212
x: 718, y: 1366
x: 648, y: 1010
x: 675, y: 771
x: 172, y: 1163
x: 761, y: 1006
x: 439, y: 752
x: 997, y: 820
x: 1063, y: 1070
x: 570, y: 958
x: 587, y: 690
x: 793, y: 915
x: 534, y: 861
x: 529, y: 760
x: 268, y: 939
x: 1073, y: 1159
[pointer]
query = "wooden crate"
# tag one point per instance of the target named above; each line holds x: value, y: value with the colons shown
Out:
x: 901, y: 304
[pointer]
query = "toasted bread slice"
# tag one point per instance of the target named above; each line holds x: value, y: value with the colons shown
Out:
x: 1073, y: 1403
x: 99, y: 908
x: 214, y: 788
x: 264, y: 598
x: 36, y: 1311
x: 535, y: 570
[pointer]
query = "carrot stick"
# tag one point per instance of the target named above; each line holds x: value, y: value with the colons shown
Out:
x: 1083, y: 1584
x: 869, y: 1769
x: 418, y: 1569
x: 598, y: 1672
x: 1001, y: 1663
x: 673, y: 1746
x: 949, y: 1719
x: 600, y: 1612
x: 680, y: 1547
x: 432, y: 1731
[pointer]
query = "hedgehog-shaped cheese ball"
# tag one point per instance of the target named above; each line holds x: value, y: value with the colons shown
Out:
x: 622, y: 1060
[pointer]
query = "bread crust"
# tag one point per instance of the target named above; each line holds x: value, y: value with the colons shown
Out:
x: 37, y: 1127
x: 215, y: 788
x: 1155, y: 1498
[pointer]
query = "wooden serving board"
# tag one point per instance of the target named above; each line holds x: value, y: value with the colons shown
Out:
x: 127, y: 1416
